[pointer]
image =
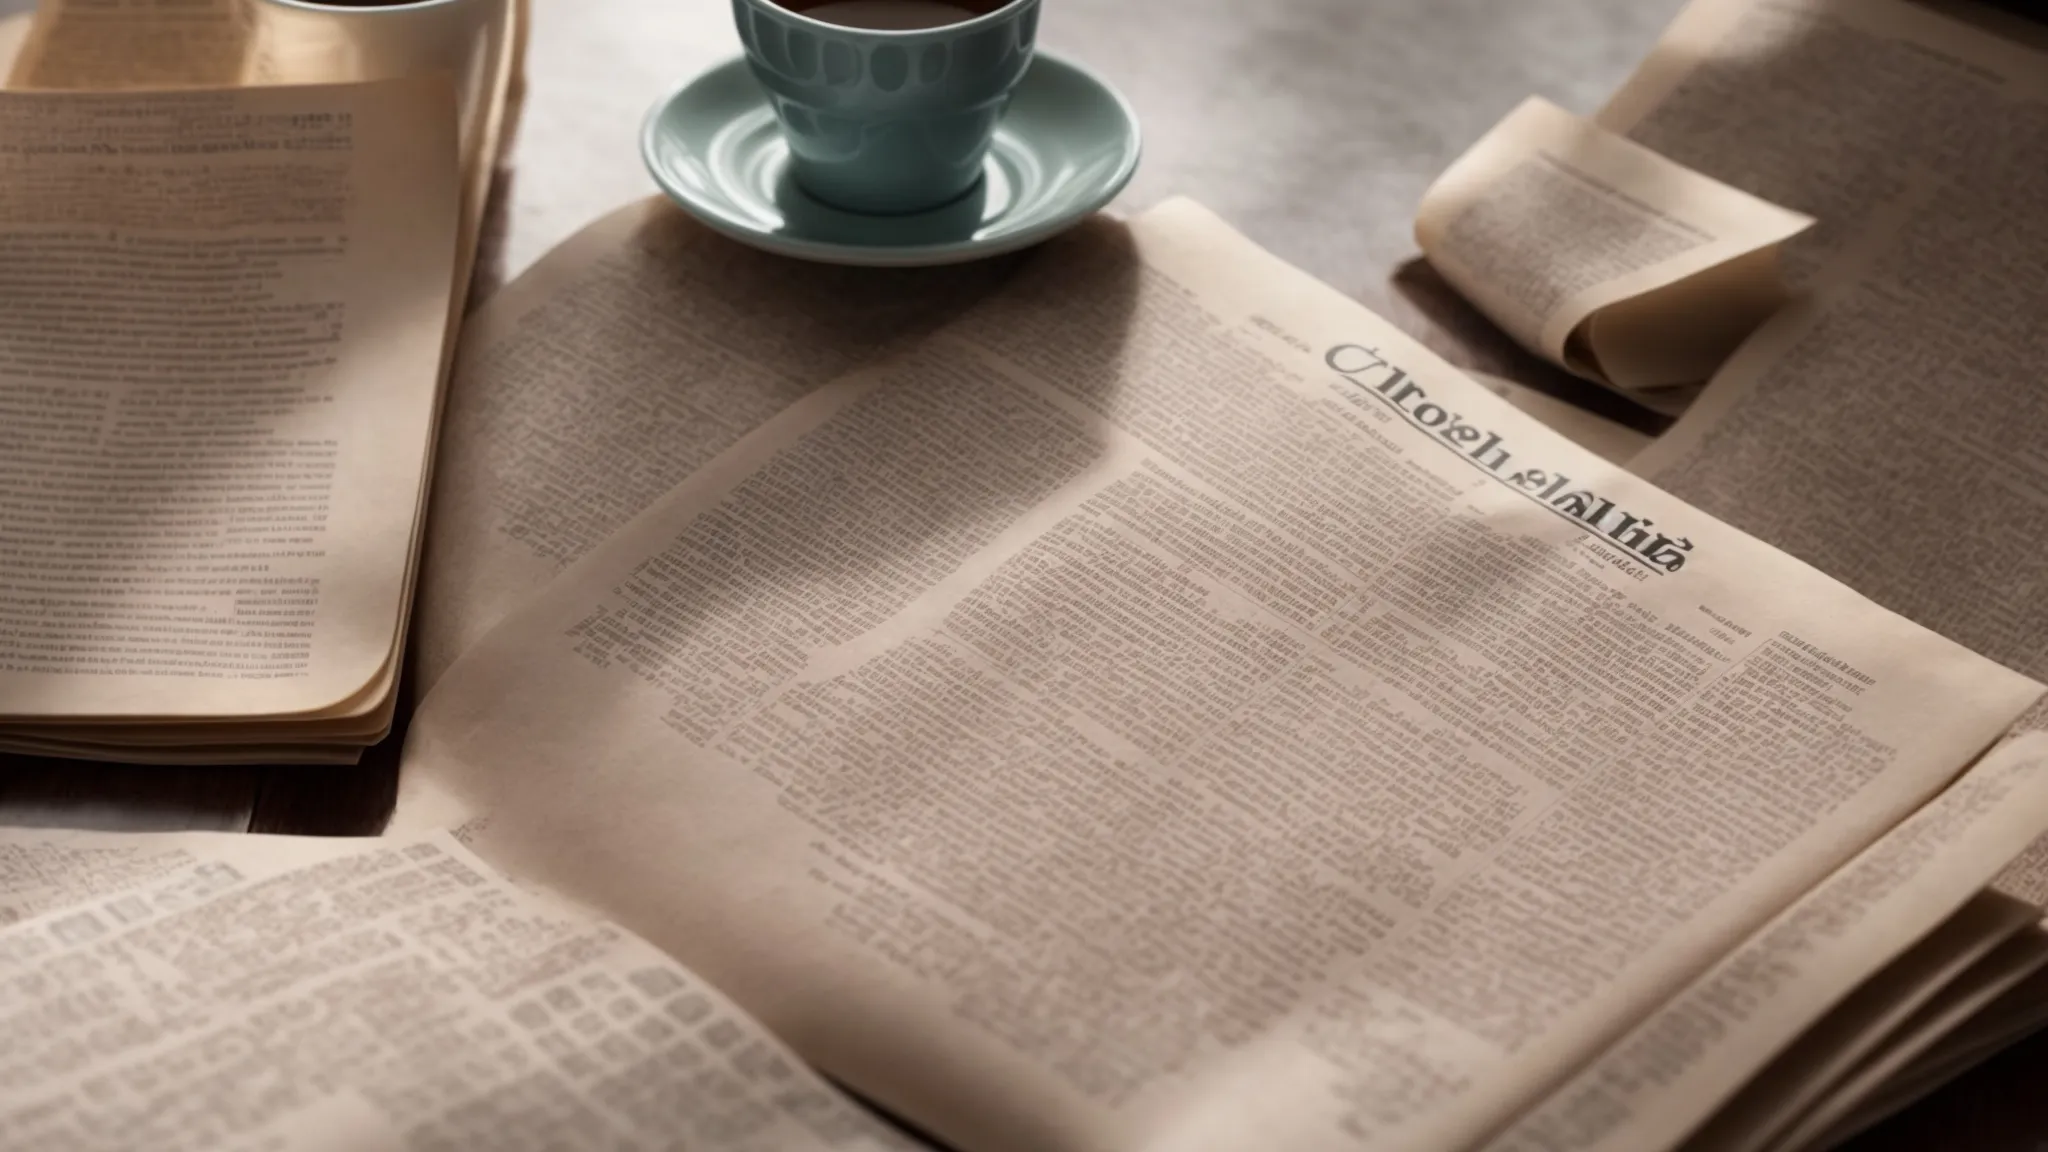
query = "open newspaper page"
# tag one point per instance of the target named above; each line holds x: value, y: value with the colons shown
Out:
x: 1689, y: 1059
x: 1870, y: 116
x: 613, y: 369
x: 1612, y: 441
x: 1888, y: 429
x: 309, y: 994
x: 1602, y: 256
x: 219, y: 395
x: 1934, y: 1060
x: 46, y: 869
x: 1169, y: 701
x: 1877, y: 1074
x: 1873, y: 1036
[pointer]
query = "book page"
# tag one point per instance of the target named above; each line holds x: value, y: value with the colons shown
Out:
x: 79, y: 46
x: 219, y: 394
x: 2027, y: 877
x: 298, y: 993
x: 614, y: 368
x: 1179, y: 705
x: 158, y: 43
x: 1600, y: 255
x: 103, y: 45
x: 1670, y: 1074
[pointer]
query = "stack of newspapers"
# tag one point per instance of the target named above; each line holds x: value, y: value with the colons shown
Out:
x: 231, y: 296
x: 1122, y: 695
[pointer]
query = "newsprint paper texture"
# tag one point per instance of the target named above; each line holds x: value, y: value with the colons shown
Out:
x: 1168, y: 707
x: 1602, y: 256
x: 219, y: 396
x: 103, y: 54
x: 615, y: 367
x: 219, y: 992
x: 1890, y: 427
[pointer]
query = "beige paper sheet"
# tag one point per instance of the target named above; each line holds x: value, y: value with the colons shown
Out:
x: 1613, y: 442
x: 1649, y: 1091
x: 97, y: 45
x: 42, y: 870
x: 1851, y: 112
x: 1602, y: 256
x: 1835, y: 1050
x: 258, y: 333
x: 365, y: 994
x: 13, y: 31
x: 2001, y: 971
x: 1888, y: 429
x: 614, y: 368
x: 1113, y: 714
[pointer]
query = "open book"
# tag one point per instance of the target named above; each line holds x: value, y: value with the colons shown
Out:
x: 229, y: 303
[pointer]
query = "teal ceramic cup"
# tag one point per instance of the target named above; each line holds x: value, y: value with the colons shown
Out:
x: 887, y: 122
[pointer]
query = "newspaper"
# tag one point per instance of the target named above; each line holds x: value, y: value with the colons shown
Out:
x: 622, y: 362
x: 1888, y: 428
x: 1178, y: 704
x: 1602, y: 256
x: 254, y: 992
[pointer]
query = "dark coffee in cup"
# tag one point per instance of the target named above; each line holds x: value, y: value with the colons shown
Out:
x: 892, y: 15
x: 888, y: 106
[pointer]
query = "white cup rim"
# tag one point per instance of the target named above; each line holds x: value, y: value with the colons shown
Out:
x: 883, y: 33
x: 361, y: 10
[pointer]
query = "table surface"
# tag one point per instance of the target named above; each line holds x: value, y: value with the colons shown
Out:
x: 1312, y: 125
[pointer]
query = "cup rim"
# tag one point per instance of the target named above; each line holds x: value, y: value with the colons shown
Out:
x: 841, y: 29
x: 327, y: 9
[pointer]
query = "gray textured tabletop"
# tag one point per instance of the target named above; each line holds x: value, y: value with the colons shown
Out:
x: 1312, y: 125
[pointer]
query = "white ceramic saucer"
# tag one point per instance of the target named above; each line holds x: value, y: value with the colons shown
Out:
x: 1066, y: 146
